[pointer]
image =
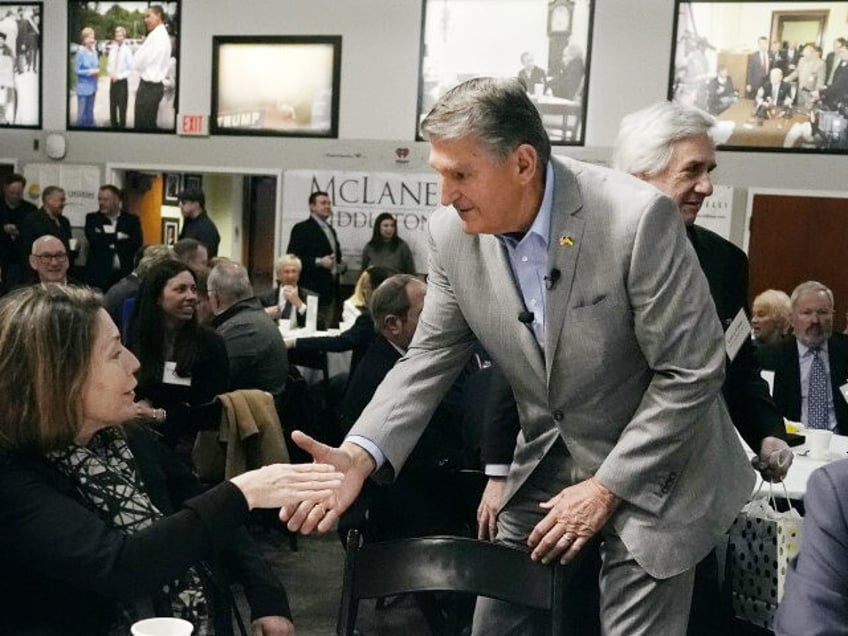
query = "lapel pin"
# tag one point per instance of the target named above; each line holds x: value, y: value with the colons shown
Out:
x: 566, y: 241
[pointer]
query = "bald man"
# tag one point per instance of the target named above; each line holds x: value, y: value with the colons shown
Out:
x: 49, y: 260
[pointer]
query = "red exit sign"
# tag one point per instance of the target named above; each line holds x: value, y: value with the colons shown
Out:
x: 197, y: 125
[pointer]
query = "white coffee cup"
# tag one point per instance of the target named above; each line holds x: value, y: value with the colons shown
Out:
x: 165, y: 626
x: 73, y: 243
x: 818, y: 441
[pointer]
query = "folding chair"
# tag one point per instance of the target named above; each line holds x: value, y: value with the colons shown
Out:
x: 432, y: 564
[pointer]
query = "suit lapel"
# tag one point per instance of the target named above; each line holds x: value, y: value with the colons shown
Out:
x: 563, y: 249
x: 509, y: 299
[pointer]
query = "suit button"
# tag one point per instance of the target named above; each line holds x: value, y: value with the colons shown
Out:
x: 558, y: 415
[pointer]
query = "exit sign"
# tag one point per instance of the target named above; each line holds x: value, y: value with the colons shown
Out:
x: 197, y: 125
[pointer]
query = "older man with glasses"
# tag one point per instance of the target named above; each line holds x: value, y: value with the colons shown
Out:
x: 49, y: 260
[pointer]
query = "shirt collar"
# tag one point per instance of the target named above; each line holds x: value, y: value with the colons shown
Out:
x: 541, y: 226
x: 804, y: 350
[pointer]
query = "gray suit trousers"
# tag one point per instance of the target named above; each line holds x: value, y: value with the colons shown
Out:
x: 632, y: 601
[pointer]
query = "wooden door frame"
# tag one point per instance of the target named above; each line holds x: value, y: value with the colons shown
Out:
x: 819, y: 16
x: 112, y: 169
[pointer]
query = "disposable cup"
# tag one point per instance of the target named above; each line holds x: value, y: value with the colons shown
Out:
x: 818, y: 441
x: 164, y: 626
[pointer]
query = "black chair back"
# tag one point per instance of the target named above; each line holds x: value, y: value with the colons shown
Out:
x: 446, y: 563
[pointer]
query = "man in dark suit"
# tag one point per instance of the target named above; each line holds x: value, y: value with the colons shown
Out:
x: 13, y: 209
x: 774, y: 93
x: 48, y: 220
x: 833, y: 59
x: 314, y: 241
x: 758, y: 67
x: 795, y: 361
x: 410, y: 506
x: 113, y: 236
x: 288, y: 299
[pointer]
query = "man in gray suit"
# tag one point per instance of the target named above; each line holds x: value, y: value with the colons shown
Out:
x: 582, y: 286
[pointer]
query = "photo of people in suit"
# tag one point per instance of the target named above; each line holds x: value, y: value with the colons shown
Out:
x: 20, y: 65
x: 123, y: 65
x: 545, y: 44
x: 760, y: 68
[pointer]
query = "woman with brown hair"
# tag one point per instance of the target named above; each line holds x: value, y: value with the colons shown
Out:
x: 99, y: 524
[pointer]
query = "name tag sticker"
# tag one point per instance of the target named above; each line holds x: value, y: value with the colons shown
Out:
x: 736, y: 335
x: 169, y: 375
x: 108, y: 228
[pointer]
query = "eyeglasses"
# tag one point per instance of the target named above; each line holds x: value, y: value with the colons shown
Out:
x: 59, y: 257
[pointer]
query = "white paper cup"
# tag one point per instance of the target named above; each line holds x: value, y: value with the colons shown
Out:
x: 165, y: 626
x: 818, y: 441
x: 73, y: 243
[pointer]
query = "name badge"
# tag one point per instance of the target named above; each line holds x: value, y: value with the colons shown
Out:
x: 108, y: 228
x: 169, y: 375
x: 736, y: 334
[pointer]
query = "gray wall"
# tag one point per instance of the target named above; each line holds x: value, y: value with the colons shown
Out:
x: 631, y: 52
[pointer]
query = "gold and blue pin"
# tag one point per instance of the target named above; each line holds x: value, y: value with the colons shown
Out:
x: 566, y: 241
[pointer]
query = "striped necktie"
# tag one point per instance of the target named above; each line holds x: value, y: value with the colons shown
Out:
x: 817, y: 415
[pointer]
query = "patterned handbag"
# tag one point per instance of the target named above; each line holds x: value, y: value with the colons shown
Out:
x: 762, y: 541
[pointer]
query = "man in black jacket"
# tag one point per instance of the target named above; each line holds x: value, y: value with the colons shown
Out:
x: 113, y: 236
x: 196, y: 221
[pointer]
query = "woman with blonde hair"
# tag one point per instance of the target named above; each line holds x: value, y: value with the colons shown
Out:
x: 770, y: 317
x: 100, y: 525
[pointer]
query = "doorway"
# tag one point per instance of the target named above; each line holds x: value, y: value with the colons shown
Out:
x: 798, y: 237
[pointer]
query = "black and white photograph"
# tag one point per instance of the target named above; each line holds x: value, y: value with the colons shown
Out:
x: 20, y: 64
x: 123, y: 65
x: 276, y: 85
x: 774, y: 73
x: 171, y: 189
x: 170, y: 231
x: 545, y: 44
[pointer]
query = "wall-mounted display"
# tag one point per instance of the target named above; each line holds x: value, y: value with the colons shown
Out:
x: 123, y: 69
x: 774, y: 73
x: 545, y: 44
x: 276, y: 85
x: 172, y: 188
x: 20, y: 64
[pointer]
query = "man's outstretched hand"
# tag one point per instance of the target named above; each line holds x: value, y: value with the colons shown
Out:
x: 351, y: 460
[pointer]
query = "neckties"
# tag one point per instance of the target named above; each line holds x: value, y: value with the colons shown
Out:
x: 764, y: 60
x: 817, y: 415
x: 287, y: 309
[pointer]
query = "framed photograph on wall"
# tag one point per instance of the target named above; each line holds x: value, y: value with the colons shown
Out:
x: 276, y: 85
x: 123, y: 66
x: 545, y: 44
x: 20, y: 64
x: 773, y: 72
x: 170, y: 231
x: 171, y: 189
x: 192, y: 182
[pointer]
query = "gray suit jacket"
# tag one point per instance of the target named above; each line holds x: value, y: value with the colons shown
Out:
x: 633, y: 367
x: 815, y: 599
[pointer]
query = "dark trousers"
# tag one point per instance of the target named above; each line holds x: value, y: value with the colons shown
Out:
x: 147, y: 104
x: 118, y: 103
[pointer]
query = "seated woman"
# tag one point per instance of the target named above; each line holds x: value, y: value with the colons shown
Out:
x: 184, y: 365
x: 100, y: 525
x: 770, y: 317
x: 357, y: 338
x: 386, y: 248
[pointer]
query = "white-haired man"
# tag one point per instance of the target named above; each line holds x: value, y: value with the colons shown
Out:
x: 287, y: 300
